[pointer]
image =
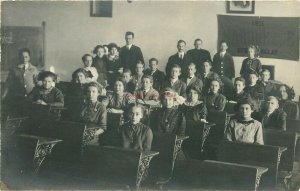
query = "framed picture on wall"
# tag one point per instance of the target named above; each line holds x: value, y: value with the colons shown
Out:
x: 101, y: 8
x: 241, y: 7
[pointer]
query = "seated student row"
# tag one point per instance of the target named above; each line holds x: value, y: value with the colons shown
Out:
x: 171, y: 120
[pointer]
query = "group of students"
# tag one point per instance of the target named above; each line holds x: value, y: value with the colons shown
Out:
x: 116, y: 81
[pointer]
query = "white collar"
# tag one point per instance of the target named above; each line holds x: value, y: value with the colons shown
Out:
x: 129, y: 46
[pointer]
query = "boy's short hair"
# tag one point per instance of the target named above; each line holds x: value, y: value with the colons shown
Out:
x: 208, y: 61
x: 192, y: 64
x: 127, y: 71
x: 153, y: 59
x: 129, y: 33
x: 85, y: 56
x: 272, y: 97
x: 198, y: 39
x: 180, y: 41
x: 24, y: 50
x: 176, y: 66
x: 223, y: 41
x: 245, y: 101
x: 46, y: 74
x: 140, y: 62
x: 253, y: 72
x: 240, y: 79
x: 148, y: 77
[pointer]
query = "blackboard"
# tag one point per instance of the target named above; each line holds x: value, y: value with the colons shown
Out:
x: 277, y: 37
x: 15, y: 38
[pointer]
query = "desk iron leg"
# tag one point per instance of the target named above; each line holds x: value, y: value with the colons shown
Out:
x: 41, y: 151
x: 142, y: 170
x: 204, y: 136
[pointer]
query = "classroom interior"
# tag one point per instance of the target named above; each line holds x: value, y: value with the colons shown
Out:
x: 70, y: 32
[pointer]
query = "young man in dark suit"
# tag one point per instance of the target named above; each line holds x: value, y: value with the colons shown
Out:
x: 223, y: 62
x: 192, y: 80
x: 130, y: 54
x: 174, y: 82
x: 180, y: 58
x: 199, y: 55
x: 158, y: 76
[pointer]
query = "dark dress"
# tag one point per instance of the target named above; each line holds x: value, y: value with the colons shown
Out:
x: 224, y: 66
x: 158, y: 78
x: 100, y: 65
x: 116, y: 102
x: 53, y: 97
x: 238, y: 97
x: 276, y: 120
x: 170, y: 121
x: 256, y: 92
x: 112, y: 67
x: 206, y: 78
x: 194, y: 113
x: 137, y: 137
x: 250, y: 65
x: 198, y: 56
x: 291, y: 108
x: 94, y: 115
x: 215, y: 102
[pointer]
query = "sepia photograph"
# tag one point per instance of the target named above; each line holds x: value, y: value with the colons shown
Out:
x: 150, y: 95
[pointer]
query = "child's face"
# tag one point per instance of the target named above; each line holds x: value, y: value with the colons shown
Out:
x: 253, y: 79
x: 193, y: 96
x: 119, y: 87
x: 175, y: 73
x: 283, y: 94
x: 214, y: 87
x: 80, y: 78
x: 245, y: 110
x: 239, y: 86
x: 153, y: 65
x: 135, y: 115
x: 272, y: 104
x: 206, y: 67
x: 168, y: 102
x: 100, y: 52
x: 126, y: 77
x: 251, y: 52
x: 47, y: 82
x: 92, y: 93
x: 88, y: 61
x: 139, y: 68
x: 265, y: 76
x: 192, y: 70
x: 146, y: 82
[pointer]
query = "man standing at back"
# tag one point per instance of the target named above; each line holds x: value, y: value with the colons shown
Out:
x: 130, y: 54
x: 180, y: 58
x: 199, y: 55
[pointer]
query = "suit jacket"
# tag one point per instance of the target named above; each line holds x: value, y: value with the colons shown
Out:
x: 179, y: 87
x: 276, y: 120
x: 158, y: 78
x: 270, y: 89
x: 224, y: 66
x: 183, y: 63
x: 129, y: 58
x: 195, y: 82
x: 256, y: 92
x: 198, y: 57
